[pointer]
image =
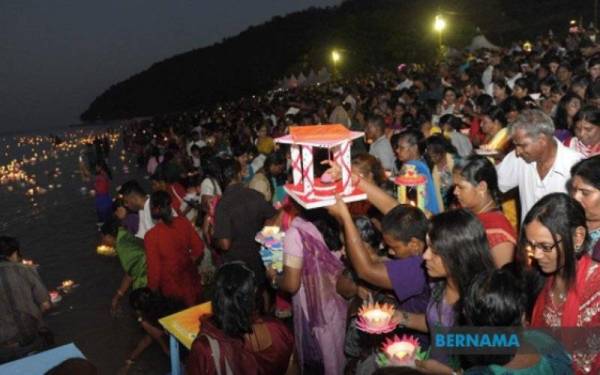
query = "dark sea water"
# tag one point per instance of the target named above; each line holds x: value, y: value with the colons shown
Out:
x: 58, y: 231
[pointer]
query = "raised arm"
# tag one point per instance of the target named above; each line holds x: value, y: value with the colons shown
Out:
x: 378, y: 197
x: 367, y: 269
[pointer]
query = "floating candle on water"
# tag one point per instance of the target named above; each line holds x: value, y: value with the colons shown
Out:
x: 67, y: 284
x: 106, y: 250
x: 27, y: 262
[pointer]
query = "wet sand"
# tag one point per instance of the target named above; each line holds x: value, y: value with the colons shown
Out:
x: 58, y: 231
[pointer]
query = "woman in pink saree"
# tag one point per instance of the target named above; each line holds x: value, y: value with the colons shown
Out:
x: 310, y: 274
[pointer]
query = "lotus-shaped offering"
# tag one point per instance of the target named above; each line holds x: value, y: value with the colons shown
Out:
x: 376, y: 318
x: 400, y: 351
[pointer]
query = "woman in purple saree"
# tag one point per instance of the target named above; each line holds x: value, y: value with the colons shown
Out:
x: 310, y: 274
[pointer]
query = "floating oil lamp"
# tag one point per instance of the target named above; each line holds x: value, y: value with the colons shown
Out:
x: 106, y: 250
x: 67, y: 285
x: 401, y: 351
x: 376, y: 318
x: 27, y: 262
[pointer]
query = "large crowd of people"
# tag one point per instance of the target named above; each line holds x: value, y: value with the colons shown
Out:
x: 509, y: 143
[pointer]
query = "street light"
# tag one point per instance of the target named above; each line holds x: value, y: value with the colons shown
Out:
x: 335, y: 57
x: 439, y: 25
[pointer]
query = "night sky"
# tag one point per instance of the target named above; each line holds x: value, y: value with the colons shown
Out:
x: 57, y: 56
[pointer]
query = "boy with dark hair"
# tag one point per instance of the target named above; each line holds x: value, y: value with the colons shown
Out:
x: 404, y: 230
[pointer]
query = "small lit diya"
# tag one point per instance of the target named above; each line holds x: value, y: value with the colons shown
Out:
x: 28, y: 262
x: 106, y: 250
x: 67, y: 285
x: 376, y: 318
x: 401, y: 351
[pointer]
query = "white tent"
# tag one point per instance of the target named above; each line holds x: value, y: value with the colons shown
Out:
x: 480, y: 42
x: 292, y: 82
x: 312, y: 78
x: 301, y: 80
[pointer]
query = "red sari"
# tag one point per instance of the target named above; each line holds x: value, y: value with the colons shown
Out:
x: 497, y: 228
x: 580, y: 309
x: 170, y: 250
x: 266, y: 351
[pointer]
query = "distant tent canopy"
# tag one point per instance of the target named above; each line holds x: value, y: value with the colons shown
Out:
x: 301, y: 81
x: 481, y: 42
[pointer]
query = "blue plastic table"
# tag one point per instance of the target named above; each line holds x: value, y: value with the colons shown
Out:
x: 38, y: 364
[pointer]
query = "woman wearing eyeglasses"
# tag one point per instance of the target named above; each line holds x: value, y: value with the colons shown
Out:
x: 554, y: 234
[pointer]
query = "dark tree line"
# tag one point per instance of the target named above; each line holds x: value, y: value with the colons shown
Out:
x: 372, y: 34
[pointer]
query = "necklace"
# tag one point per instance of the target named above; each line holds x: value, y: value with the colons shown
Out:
x: 485, y: 207
x: 559, y: 297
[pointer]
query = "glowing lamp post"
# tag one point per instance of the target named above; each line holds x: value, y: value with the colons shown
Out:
x: 439, y: 25
x: 336, y: 57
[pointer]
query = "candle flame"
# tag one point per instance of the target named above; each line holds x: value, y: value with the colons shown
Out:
x: 401, y: 350
x: 376, y: 315
x: 106, y: 250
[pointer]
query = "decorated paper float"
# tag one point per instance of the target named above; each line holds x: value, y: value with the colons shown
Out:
x: 311, y: 192
x: 411, y: 187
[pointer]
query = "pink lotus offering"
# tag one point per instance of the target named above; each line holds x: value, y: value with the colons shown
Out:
x: 376, y: 318
x: 401, y: 351
x: 55, y: 296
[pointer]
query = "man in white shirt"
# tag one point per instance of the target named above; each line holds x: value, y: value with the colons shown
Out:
x: 136, y: 200
x: 539, y: 164
x: 195, y: 141
x: 339, y: 114
x: 380, y: 145
x: 487, y: 77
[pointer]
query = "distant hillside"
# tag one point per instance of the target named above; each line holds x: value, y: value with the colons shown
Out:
x: 372, y: 33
